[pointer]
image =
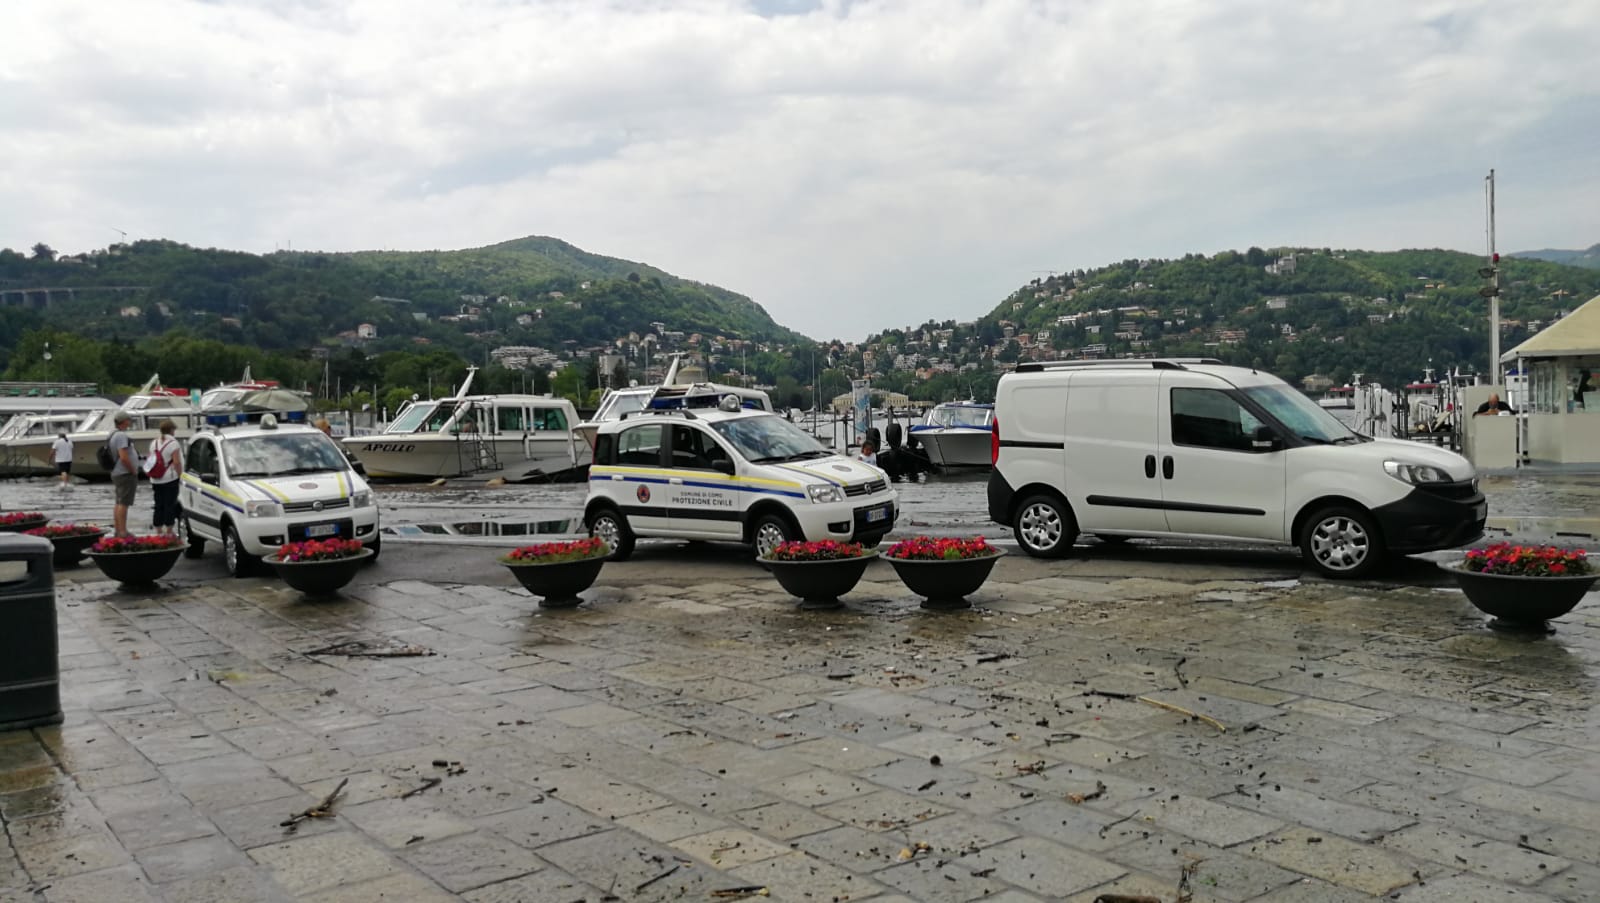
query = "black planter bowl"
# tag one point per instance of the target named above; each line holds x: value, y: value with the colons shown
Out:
x: 558, y: 583
x: 136, y: 568
x: 319, y: 578
x: 1526, y: 602
x: 69, y: 549
x: 945, y: 584
x: 20, y: 526
x: 819, y: 584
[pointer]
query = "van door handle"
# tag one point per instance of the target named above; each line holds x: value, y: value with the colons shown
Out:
x: 1150, y: 466
x: 675, y: 481
x: 1166, y: 466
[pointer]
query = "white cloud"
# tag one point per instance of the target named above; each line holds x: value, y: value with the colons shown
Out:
x: 850, y: 165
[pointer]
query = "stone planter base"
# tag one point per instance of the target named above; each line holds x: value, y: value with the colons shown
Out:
x: 945, y: 584
x: 1522, y: 601
x: 320, y: 578
x: 819, y: 584
x: 136, y: 568
x: 558, y: 583
x: 69, y: 549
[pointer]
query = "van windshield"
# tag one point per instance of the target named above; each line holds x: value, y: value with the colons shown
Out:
x: 1307, y: 419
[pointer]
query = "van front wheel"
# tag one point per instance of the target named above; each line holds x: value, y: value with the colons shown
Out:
x: 1044, y: 527
x: 1342, y: 543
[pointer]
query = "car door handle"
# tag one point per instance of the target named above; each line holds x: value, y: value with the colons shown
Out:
x: 616, y: 478
x: 1150, y: 466
x: 676, y: 481
x: 1166, y: 466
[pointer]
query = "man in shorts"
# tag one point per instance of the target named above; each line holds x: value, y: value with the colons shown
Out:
x: 124, y: 476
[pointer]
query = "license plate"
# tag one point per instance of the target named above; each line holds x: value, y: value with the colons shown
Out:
x: 323, y: 530
x: 877, y: 514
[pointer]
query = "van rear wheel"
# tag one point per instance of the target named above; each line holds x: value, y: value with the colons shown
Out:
x: 1044, y: 527
x: 1342, y: 542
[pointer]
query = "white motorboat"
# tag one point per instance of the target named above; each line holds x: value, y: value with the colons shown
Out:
x: 14, y: 458
x: 670, y: 394
x: 147, y: 408
x: 523, y: 436
x: 957, y: 434
x: 1339, y: 398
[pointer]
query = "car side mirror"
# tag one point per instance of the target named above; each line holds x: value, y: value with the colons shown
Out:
x: 210, y: 479
x: 1265, y: 440
x: 722, y: 465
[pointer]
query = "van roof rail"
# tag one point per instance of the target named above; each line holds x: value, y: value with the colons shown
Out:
x: 1154, y: 363
x: 683, y: 412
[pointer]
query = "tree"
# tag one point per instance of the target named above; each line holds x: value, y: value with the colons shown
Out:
x: 42, y: 251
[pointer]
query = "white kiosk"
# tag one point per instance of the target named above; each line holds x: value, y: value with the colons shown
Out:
x: 1561, y: 425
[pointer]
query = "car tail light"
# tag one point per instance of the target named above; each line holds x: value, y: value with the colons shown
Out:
x: 994, y: 442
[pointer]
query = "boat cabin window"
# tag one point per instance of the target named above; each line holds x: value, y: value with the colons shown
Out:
x: 549, y: 419
x: 973, y: 417
x: 618, y: 403
x: 508, y: 420
x: 423, y: 417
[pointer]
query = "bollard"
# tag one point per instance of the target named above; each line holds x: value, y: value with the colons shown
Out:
x: 30, y: 670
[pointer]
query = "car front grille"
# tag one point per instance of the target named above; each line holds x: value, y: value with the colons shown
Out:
x: 868, y: 488
x: 327, y: 505
x: 1462, y: 490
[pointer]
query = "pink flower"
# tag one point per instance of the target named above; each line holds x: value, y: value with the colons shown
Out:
x: 926, y: 548
x: 1527, y: 561
x: 318, y: 550
x: 554, y: 552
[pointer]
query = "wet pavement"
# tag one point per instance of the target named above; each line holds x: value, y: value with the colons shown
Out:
x: 1091, y: 727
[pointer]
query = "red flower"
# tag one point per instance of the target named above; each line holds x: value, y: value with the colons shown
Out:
x: 948, y: 548
x: 822, y: 550
x: 554, y: 552
x: 21, y: 517
x: 318, y: 550
x: 61, y: 531
x: 1527, y: 561
x: 153, y: 543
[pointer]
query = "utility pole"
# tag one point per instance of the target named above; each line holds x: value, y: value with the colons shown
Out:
x: 1492, y: 290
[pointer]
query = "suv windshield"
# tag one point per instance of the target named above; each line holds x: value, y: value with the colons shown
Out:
x: 769, y: 438
x: 289, y: 453
x: 1304, y: 417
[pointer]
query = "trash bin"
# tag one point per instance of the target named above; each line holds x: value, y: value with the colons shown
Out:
x: 30, y: 672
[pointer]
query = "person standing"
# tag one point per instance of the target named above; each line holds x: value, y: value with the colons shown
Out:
x: 124, y: 474
x: 165, y: 467
x: 62, y: 455
x: 1494, y: 406
x: 869, y: 453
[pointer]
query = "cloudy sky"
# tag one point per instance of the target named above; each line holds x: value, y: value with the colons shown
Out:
x: 850, y: 164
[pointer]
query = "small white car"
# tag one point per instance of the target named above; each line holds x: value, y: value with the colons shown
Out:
x: 729, y: 474
x: 255, y: 486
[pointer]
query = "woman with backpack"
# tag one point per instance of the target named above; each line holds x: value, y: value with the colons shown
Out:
x: 164, y: 466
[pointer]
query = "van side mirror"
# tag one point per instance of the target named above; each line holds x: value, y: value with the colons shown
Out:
x: 1265, y: 440
x: 722, y: 465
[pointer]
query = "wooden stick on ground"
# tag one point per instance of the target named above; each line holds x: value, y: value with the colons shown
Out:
x: 323, y: 809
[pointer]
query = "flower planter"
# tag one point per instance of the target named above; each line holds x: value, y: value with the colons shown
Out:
x: 945, y: 584
x: 19, y: 526
x: 819, y: 584
x: 136, y: 568
x: 1520, y: 600
x: 69, y: 549
x: 557, y: 582
x: 321, y: 577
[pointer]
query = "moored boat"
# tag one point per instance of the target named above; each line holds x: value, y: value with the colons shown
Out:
x: 669, y: 394
x: 956, y: 434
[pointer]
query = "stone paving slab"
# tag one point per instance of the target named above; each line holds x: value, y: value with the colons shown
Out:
x: 688, y: 729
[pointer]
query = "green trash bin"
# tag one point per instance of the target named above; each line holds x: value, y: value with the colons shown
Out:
x: 30, y: 669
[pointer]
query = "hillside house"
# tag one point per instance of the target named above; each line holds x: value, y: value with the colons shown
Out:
x: 366, y: 331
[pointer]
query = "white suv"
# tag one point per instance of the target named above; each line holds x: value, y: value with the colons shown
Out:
x: 729, y: 474
x: 1200, y: 449
x: 254, y: 487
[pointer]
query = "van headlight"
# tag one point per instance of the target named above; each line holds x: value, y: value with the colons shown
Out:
x: 262, y: 509
x: 1415, y: 474
x: 362, y: 499
x: 827, y: 493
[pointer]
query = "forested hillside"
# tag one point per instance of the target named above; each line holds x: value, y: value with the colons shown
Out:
x: 1589, y: 258
x: 1296, y: 312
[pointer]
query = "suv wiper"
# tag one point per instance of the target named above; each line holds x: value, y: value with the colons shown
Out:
x: 1315, y: 440
x: 769, y: 459
x: 300, y: 470
x: 808, y: 455
x: 247, y: 474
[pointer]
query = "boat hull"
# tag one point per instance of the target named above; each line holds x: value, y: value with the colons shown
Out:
x: 427, y: 457
x: 956, y: 447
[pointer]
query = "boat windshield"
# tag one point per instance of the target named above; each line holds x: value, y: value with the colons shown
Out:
x: 962, y: 416
x: 423, y: 417
x: 618, y: 403
x: 769, y: 438
x: 281, y: 455
x: 1307, y: 419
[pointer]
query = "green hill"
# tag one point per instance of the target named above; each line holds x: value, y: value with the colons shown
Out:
x: 1295, y: 311
x: 295, y: 300
x: 1589, y: 259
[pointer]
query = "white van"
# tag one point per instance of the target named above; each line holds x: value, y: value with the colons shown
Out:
x: 1196, y: 448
